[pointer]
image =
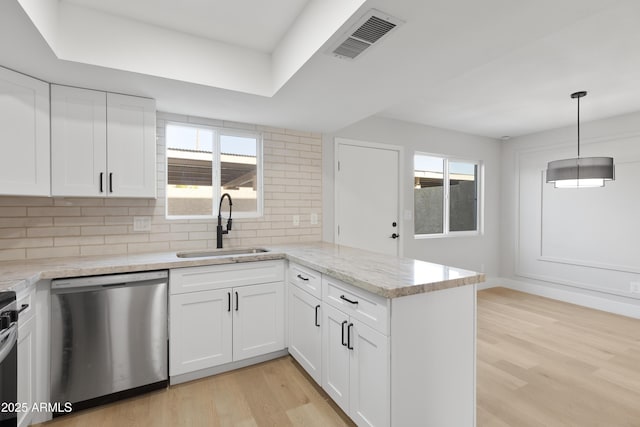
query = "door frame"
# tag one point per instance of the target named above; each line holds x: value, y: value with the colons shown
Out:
x: 337, y: 141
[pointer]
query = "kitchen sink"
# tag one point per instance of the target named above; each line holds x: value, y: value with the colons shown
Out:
x: 220, y: 252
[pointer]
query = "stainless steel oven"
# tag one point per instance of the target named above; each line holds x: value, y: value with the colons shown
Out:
x: 8, y: 359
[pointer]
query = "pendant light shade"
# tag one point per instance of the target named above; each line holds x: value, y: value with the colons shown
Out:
x: 580, y: 172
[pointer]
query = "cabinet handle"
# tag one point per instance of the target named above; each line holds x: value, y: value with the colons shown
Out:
x: 343, y: 323
x: 236, y: 301
x: 228, y: 301
x: 301, y: 277
x: 101, y: 186
x: 349, y: 336
x: 316, y: 322
x: 110, y: 182
x: 342, y: 297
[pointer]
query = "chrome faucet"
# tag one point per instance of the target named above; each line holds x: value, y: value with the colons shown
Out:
x: 219, y: 230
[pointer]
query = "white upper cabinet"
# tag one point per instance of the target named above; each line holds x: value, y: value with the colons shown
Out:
x: 103, y: 144
x: 24, y: 135
x: 78, y: 141
x: 131, y: 142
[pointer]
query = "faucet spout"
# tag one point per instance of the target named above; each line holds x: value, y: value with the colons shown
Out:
x: 219, y: 230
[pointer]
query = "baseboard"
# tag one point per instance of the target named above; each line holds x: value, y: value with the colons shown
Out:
x: 490, y: 282
x: 567, y: 295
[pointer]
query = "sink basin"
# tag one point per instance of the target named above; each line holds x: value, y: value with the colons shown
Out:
x: 220, y: 252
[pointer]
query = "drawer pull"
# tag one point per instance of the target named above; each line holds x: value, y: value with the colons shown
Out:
x: 301, y: 277
x: 342, y: 297
x: 343, y: 343
x: 349, y: 346
x: 316, y: 321
x: 23, y: 307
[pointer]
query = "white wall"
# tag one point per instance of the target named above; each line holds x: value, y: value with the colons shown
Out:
x: 577, y: 245
x: 478, y: 253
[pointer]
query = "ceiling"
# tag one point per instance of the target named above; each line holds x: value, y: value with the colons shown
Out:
x: 493, y: 68
x: 232, y: 22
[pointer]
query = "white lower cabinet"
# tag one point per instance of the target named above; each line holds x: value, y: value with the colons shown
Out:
x: 341, y: 341
x: 305, y: 331
x: 216, y: 325
x: 26, y: 356
x: 200, y: 331
x: 258, y: 320
x: 356, y: 368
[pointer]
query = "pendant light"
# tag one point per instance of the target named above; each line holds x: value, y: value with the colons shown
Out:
x: 580, y: 172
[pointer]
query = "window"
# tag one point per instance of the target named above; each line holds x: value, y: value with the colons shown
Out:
x: 445, y: 196
x: 204, y: 162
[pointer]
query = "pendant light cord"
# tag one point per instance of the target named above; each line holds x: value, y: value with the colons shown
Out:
x: 578, y: 127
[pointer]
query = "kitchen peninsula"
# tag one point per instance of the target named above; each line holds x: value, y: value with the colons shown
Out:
x: 396, y: 336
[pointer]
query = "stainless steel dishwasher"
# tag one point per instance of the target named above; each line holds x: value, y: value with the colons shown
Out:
x: 108, y: 337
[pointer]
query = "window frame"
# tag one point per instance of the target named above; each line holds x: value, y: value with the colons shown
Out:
x: 216, y: 168
x: 446, y: 208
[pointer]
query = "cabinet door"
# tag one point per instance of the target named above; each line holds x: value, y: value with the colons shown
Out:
x: 369, y: 372
x: 78, y: 142
x: 200, y: 330
x: 24, y: 135
x: 26, y: 369
x: 305, y: 332
x: 335, y: 356
x: 258, y: 320
x: 131, y: 146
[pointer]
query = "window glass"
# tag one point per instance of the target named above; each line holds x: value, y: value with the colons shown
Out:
x: 203, y: 163
x: 239, y: 171
x: 189, y: 170
x: 428, y: 194
x: 463, y: 196
x: 445, y: 195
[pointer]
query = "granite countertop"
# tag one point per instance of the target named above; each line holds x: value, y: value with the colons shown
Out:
x: 385, y: 275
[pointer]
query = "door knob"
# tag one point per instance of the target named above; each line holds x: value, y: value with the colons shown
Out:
x: 395, y: 236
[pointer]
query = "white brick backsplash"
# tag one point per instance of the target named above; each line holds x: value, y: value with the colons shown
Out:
x: 10, y: 211
x: 43, y: 227
x: 37, y: 253
x: 103, y: 250
x: 53, y: 211
x: 12, y: 254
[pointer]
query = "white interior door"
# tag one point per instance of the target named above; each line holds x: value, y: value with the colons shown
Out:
x: 367, y: 196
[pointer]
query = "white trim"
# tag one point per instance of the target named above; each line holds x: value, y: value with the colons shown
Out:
x: 366, y: 144
x: 446, y: 160
x: 591, y: 264
x: 628, y: 309
x: 491, y: 282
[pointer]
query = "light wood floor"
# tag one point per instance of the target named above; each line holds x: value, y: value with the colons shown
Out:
x: 275, y: 393
x: 547, y: 363
x: 540, y: 363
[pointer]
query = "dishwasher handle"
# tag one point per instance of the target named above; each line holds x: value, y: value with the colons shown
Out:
x: 111, y: 280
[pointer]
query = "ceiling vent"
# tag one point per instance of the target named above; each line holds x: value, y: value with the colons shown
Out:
x: 369, y: 29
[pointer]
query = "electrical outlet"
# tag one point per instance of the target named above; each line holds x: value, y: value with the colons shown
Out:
x: 141, y: 223
x: 296, y: 220
x: 634, y: 287
x: 314, y: 218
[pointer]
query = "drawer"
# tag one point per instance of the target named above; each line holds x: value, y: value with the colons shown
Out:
x: 211, y: 277
x: 367, y: 307
x: 306, y: 278
x: 26, y: 296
